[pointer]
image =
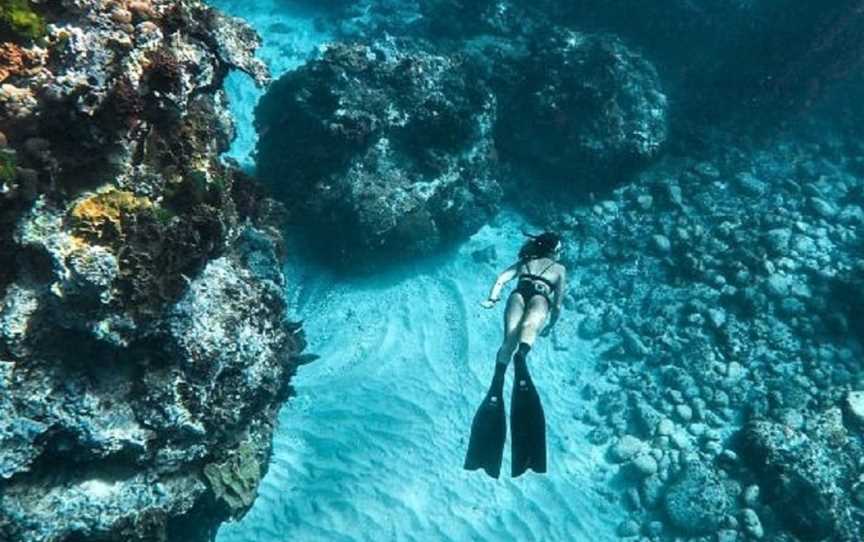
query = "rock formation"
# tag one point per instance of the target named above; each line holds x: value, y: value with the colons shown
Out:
x: 584, y: 111
x: 144, y: 350
x: 383, y: 150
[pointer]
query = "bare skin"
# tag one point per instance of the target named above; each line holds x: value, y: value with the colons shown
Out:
x: 525, y: 319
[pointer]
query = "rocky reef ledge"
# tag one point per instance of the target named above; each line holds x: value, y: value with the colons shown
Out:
x: 144, y: 347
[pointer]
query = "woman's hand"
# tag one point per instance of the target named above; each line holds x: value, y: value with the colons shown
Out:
x: 488, y: 303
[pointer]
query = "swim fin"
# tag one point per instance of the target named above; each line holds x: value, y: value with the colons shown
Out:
x: 488, y: 433
x: 527, y: 423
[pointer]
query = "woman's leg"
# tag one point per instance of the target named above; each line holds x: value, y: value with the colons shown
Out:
x: 512, y: 318
x: 533, y: 320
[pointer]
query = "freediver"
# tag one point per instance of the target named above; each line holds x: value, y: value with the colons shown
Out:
x: 535, y: 300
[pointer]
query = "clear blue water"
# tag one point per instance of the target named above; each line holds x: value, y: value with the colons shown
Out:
x: 372, y: 445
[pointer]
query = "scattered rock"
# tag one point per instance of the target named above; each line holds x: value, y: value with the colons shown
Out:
x: 697, y: 503
x: 661, y: 244
x: 645, y: 465
x: 750, y: 185
x: 752, y: 523
x: 626, y: 449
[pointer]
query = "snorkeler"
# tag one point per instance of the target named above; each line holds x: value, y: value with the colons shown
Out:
x: 536, y: 299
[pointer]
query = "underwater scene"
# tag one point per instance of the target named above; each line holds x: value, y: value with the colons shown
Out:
x: 431, y: 270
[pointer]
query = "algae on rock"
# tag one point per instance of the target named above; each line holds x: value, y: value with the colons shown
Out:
x: 20, y: 17
x: 235, y: 481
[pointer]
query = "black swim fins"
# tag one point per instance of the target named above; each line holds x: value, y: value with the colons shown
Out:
x: 488, y: 433
x: 527, y: 423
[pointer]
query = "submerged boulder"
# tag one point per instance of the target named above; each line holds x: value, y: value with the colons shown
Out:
x: 697, y: 503
x: 584, y: 112
x: 380, y: 148
x: 805, y: 480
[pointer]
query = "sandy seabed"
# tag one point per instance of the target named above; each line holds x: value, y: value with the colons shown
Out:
x: 371, y: 447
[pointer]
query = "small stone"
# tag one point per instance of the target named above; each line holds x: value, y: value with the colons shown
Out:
x: 717, y: 317
x: 675, y: 195
x: 652, y: 491
x: 727, y: 535
x: 697, y: 502
x: 633, y: 344
x: 142, y: 10
x: 855, y: 406
x: 122, y: 16
x: 752, y: 523
x: 750, y: 185
x: 858, y: 493
x: 626, y: 448
x: 645, y: 202
x: 3, y: 140
x: 645, y: 465
x: 751, y: 496
x: 728, y: 457
x: 628, y: 528
x: 823, y: 208
x: 734, y: 370
x: 684, y: 412
x: 665, y: 427
x: 778, y: 285
x: 661, y: 244
x: 778, y: 240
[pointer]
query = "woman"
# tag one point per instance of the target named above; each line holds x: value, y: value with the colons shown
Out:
x: 536, y: 299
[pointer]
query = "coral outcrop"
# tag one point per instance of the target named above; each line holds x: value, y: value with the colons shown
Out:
x: 144, y: 347
x: 384, y: 149
x: 584, y: 111
x: 808, y: 483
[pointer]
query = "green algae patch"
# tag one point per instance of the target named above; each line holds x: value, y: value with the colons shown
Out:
x: 7, y: 167
x: 19, y: 17
x: 235, y: 481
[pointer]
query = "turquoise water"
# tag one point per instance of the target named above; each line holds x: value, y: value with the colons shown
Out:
x: 719, y: 285
x: 371, y: 448
x: 372, y: 445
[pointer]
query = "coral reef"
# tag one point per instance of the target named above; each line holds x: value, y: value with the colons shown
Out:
x: 387, y: 144
x: 144, y: 350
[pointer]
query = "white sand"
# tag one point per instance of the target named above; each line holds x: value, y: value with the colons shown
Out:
x: 371, y: 448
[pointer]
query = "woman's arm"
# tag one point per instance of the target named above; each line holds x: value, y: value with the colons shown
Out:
x: 506, y: 276
x: 559, y: 298
x: 559, y: 289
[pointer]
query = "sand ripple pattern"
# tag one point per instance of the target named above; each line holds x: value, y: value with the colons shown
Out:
x: 371, y: 448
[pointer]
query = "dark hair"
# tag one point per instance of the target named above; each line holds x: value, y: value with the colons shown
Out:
x: 539, y: 246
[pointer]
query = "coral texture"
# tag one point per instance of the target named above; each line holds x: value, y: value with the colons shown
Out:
x: 389, y: 145
x: 144, y: 350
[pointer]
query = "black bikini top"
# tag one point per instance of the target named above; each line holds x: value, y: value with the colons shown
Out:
x: 539, y: 276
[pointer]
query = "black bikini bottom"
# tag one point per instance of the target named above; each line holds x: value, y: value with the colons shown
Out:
x: 529, y: 288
